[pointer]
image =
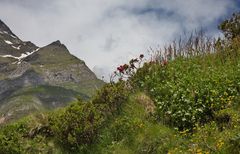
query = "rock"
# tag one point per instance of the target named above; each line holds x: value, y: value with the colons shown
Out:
x: 33, y: 78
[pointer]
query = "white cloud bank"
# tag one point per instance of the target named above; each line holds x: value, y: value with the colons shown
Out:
x: 106, y: 33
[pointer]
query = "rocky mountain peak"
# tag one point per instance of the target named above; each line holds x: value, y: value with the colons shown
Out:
x: 34, y: 78
x: 58, y: 44
x: 4, y: 29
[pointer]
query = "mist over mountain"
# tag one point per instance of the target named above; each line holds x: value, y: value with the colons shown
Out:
x: 112, y: 31
x: 182, y: 97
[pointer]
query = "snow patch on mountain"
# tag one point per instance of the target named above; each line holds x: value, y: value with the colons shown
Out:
x: 19, y: 59
x: 8, y: 42
x: 37, y: 49
x: 18, y: 47
x: 9, y: 56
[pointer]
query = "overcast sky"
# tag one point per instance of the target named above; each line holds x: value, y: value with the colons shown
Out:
x: 106, y: 33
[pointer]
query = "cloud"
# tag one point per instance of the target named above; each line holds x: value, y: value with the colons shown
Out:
x: 106, y: 33
x: 110, y: 43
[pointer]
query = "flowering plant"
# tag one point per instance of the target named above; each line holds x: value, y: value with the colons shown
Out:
x: 127, y: 70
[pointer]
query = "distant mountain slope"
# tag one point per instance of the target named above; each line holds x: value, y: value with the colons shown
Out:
x: 34, y: 78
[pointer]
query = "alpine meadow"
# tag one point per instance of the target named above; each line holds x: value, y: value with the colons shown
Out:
x: 184, y: 98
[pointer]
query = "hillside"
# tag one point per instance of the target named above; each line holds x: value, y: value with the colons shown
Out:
x: 36, y: 78
x: 183, y: 100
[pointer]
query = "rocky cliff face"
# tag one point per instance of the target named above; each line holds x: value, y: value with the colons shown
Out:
x: 34, y: 78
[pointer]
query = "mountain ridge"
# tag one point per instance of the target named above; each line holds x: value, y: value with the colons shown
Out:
x: 39, y: 71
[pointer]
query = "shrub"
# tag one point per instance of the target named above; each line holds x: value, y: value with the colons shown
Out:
x: 231, y: 27
x: 76, y: 126
x: 187, y: 92
x: 112, y: 96
x: 10, y: 138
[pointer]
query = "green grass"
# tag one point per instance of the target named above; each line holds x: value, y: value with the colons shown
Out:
x: 29, y: 100
x: 3, y: 63
x: 137, y: 125
x: 134, y: 130
x: 182, y: 104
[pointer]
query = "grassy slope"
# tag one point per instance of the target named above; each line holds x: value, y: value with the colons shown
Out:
x: 3, y: 63
x: 184, y: 106
x: 31, y: 99
x: 135, y: 130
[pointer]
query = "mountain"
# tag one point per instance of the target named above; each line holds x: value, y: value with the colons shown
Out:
x: 36, y: 78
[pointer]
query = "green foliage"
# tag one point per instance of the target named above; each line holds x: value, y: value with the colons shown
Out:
x: 112, y: 96
x: 76, y: 126
x: 187, y: 92
x: 29, y: 135
x: 231, y: 27
x: 229, y: 48
x: 235, y: 144
x: 9, y: 138
x: 124, y: 127
x: 198, y: 94
x: 133, y: 131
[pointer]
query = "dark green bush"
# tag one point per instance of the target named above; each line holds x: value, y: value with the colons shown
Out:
x: 112, y: 96
x: 231, y: 27
x: 76, y: 126
x: 10, y: 138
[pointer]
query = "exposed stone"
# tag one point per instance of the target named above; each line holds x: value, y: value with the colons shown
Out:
x: 27, y: 66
